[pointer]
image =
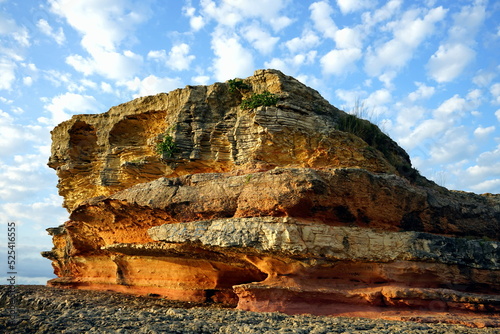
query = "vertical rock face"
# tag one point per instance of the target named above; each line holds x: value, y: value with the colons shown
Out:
x: 285, y: 205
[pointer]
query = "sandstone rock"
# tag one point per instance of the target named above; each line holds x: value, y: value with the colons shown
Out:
x: 309, y: 241
x: 275, y: 208
x: 100, y: 154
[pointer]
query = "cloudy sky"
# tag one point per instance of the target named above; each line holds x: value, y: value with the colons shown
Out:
x: 427, y: 72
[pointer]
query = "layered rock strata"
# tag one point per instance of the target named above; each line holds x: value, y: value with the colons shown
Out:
x: 272, y: 208
x: 101, y: 154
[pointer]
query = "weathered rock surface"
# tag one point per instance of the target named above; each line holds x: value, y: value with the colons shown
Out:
x: 307, y: 241
x: 270, y: 209
x: 100, y: 154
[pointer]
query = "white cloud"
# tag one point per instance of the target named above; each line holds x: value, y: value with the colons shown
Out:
x: 57, y: 78
x: 179, y: 57
x: 449, y: 61
x: 16, y: 137
x: 407, y: 117
x: 112, y: 65
x: 7, y: 25
x: 474, y: 95
x: 384, y: 13
x: 264, y: 9
x: 104, y: 25
x: 441, y: 138
x: 27, y: 185
x: 10, y: 28
x: 257, y: 8
x: 497, y: 114
x: 17, y: 110
x: 428, y: 129
x: 304, y: 58
x: 81, y: 64
x: 88, y: 84
x: 33, y: 216
x: 495, y: 91
x: 488, y: 186
x: 483, y: 78
x: 408, y: 33
x: 157, y: 55
x: 224, y: 15
x: 6, y: 101
x: 18, y: 33
x: 7, y: 74
x: 452, y: 108
x: 232, y: 59
x: 291, y: 65
x: 195, y: 21
x: 321, y: 13
x: 350, y: 97
x: 340, y: 61
x: 374, y: 106
x: 280, y: 22
x: 61, y: 106
x: 454, y: 145
x: 46, y: 29
x: 423, y: 92
x: 467, y: 23
x: 151, y: 85
x: 14, y: 41
x: 451, y: 58
x: 232, y: 12
x: 387, y: 77
x: 201, y: 80
x: 349, y: 6
x: 348, y: 38
x: 106, y: 87
x: 490, y: 159
x: 281, y: 64
x: 260, y: 38
x: 22, y: 37
x: 310, y: 80
x: 484, y: 176
x: 23, y: 177
x: 28, y: 81
x: 481, y: 132
x: 379, y: 97
x: 308, y: 40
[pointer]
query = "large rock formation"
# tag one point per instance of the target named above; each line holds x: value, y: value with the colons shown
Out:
x: 292, y: 206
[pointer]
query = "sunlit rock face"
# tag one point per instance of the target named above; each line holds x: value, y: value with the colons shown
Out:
x: 292, y: 207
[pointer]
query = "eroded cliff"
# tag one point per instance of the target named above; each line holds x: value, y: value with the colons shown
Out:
x: 284, y: 207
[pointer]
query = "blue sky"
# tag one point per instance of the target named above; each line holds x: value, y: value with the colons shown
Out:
x: 427, y: 72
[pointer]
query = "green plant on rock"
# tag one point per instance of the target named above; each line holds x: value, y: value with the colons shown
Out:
x: 356, y: 123
x: 237, y: 85
x: 257, y: 100
x: 375, y: 138
x: 362, y: 128
x: 166, y: 148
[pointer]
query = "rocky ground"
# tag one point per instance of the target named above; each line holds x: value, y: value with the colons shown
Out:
x: 40, y: 309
